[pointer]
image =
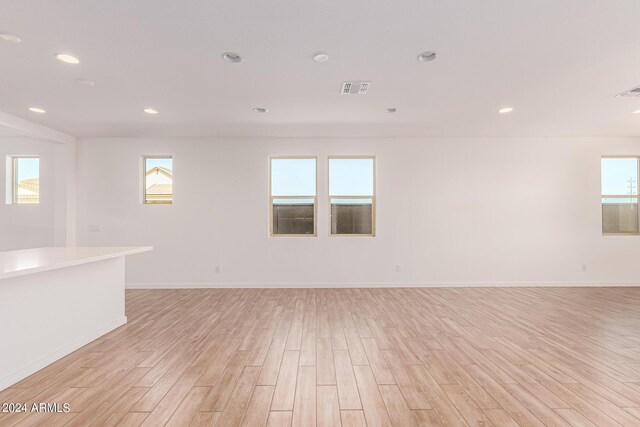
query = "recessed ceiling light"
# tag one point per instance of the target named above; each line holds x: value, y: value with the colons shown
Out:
x: 392, y: 110
x: 85, y: 82
x: 505, y: 110
x: 321, y: 57
x: 36, y: 110
x: 636, y: 112
x: 10, y: 38
x: 260, y: 110
x: 427, y: 56
x: 69, y: 59
x: 150, y: 111
x: 231, y: 57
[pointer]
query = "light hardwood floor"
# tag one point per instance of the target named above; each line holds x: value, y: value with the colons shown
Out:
x: 376, y: 357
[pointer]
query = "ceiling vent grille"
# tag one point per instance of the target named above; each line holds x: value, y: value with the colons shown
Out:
x: 355, y: 88
x: 635, y: 92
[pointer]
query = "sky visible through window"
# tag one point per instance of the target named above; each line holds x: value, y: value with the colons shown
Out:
x: 620, y: 176
x: 293, y: 177
x: 297, y: 177
x: 163, y: 163
x: 28, y: 168
x: 351, y: 177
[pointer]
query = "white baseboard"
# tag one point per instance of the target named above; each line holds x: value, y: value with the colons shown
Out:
x: 33, y: 367
x: 199, y: 285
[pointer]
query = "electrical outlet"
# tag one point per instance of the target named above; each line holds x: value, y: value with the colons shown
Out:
x: 94, y: 228
x: 218, y: 269
x: 584, y: 267
x: 398, y: 269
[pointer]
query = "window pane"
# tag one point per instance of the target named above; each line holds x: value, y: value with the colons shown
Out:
x: 293, y: 177
x: 619, y: 215
x: 351, y: 216
x: 619, y: 176
x: 158, y: 180
x: 351, y: 177
x: 293, y: 216
x: 27, y: 179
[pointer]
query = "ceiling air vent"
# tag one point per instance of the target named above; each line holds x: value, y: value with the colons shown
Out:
x: 355, y: 88
x: 635, y: 92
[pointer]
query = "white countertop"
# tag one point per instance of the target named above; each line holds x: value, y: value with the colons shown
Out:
x: 29, y: 261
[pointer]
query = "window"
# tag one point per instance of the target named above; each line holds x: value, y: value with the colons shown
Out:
x: 292, y: 197
x: 352, y: 196
x: 24, y: 179
x: 620, y: 195
x: 157, y: 180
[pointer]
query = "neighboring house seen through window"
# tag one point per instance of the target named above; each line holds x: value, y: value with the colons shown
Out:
x: 24, y: 178
x: 158, y: 180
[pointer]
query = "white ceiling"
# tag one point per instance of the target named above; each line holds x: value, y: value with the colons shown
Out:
x: 559, y: 63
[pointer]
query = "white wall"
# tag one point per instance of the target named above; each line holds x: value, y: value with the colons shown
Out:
x: 450, y: 211
x: 52, y: 221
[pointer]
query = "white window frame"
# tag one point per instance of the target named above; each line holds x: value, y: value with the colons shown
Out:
x: 619, y: 196
x: 314, y: 198
x: 143, y: 166
x: 373, y: 197
x: 12, y: 178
